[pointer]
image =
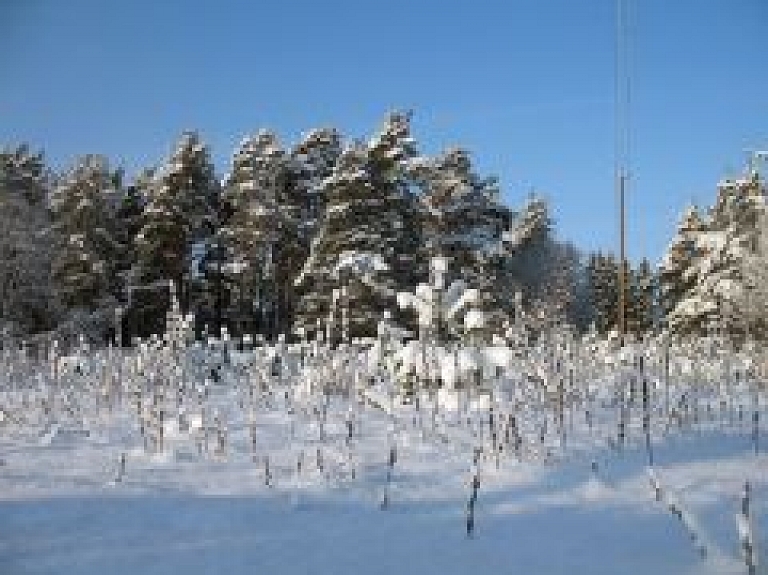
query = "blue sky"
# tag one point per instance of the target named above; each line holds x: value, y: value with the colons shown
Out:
x: 525, y: 85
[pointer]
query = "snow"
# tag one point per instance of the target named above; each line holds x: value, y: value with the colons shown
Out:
x: 474, y: 319
x: 535, y: 520
x: 453, y: 303
x: 204, y: 502
x: 360, y: 263
x: 694, y: 306
x: 713, y: 241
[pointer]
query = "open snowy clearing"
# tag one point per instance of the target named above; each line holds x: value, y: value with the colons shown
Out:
x: 63, y: 511
x: 169, y: 460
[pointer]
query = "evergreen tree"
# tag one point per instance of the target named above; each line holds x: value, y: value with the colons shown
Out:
x: 179, y: 216
x: 161, y: 247
x: 263, y: 235
x: 24, y: 174
x: 549, y: 274
x: 703, y: 274
x: 313, y: 160
x: 602, y: 272
x: 640, y: 297
x: 756, y: 277
x: 369, y: 217
x: 85, y: 227
x: 565, y: 290
x: 641, y: 300
x: 129, y: 220
x: 728, y: 286
x: 731, y: 286
x: 578, y: 310
x: 678, y: 273
x: 26, y: 303
x: 346, y: 192
x: 464, y: 220
x: 530, y: 238
x: 392, y: 154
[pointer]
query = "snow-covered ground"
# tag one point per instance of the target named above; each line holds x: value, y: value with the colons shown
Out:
x: 287, y: 473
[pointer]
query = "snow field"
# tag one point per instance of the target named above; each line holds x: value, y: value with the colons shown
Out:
x: 256, y: 469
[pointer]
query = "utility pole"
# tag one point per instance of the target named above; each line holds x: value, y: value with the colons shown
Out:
x: 622, y: 260
x: 622, y: 150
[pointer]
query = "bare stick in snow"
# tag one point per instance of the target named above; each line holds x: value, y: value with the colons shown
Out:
x: 746, y: 532
x: 678, y: 510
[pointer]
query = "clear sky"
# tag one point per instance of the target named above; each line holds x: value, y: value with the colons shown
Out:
x: 526, y: 85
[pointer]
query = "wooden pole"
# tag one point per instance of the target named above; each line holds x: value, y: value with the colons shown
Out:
x: 622, y: 149
x: 622, y: 260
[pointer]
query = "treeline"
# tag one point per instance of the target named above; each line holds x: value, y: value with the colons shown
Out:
x: 290, y: 240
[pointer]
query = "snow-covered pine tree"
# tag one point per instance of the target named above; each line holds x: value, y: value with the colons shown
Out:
x: 756, y: 276
x: 632, y: 312
x: 540, y: 266
x: 711, y: 289
x: 249, y: 197
x: 263, y: 235
x: 738, y: 214
x: 313, y: 159
x: 25, y: 252
x: 178, y: 215
x: 84, y: 224
x: 602, y: 272
x: 464, y: 220
x: 344, y: 229
x: 561, y: 290
x: 678, y: 269
x: 129, y: 215
x: 448, y: 187
x: 578, y: 309
x: 23, y: 174
x: 368, y: 241
x: 641, y: 312
x: 531, y: 238
x: 393, y: 157
x: 129, y: 221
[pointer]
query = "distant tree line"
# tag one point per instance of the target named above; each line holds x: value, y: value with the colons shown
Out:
x: 280, y: 245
